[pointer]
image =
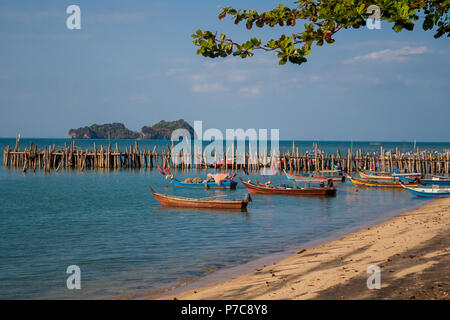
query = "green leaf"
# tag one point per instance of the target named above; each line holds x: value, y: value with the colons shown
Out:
x: 282, y: 61
x: 397, y: 27
x: 361, y: 8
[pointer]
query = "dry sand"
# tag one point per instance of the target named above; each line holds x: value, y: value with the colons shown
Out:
x: 412, y: 251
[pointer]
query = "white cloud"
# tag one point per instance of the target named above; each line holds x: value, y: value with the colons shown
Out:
x: 24, y: 96
x: 389, y: 55
x: 103, y: 17
x: 358, y: 45
x: 237, y: 76
x: 29, y: 16
x: 198, y: 77
x: 412, y: 80
x: 115, y: 17
x: 209, y: 87
x: 140, y: 98
x: 252, y: 91
x: 250, y: 78
x: 178, y: 60
x: 176, y: 72
x: 44, y: 36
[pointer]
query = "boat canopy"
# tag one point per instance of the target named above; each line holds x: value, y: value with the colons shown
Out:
x: 219, y: 177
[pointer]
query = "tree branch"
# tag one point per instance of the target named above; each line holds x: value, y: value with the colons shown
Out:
x: 324, y: 19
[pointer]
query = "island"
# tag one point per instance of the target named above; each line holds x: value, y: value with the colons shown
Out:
x: 161, y: 130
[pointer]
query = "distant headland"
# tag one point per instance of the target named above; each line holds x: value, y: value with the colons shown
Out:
x: 161, y: 130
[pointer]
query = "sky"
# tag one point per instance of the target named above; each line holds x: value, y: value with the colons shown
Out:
x: 134, y: 62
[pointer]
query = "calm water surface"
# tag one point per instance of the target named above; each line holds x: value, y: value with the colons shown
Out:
x: 125, y: 243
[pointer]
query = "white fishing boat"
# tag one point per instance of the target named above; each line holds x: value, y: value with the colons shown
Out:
x: 432, y: 192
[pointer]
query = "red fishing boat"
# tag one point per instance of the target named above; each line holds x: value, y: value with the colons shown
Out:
x: 209, y: 203
x: 269, y: 189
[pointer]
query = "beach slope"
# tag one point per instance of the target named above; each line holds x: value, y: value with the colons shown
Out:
x: 411, y: 250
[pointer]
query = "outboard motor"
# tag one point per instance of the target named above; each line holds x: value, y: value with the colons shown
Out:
x: 330, y: 183
x: 248, y: 198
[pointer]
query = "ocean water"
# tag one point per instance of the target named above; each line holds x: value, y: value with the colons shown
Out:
x: 126, y: 244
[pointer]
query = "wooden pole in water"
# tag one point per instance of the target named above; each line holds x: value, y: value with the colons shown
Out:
x: 6, y: 157
x: 102, y: 157
x: 446, y: 163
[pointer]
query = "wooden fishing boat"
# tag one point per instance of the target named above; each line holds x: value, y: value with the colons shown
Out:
x: 376, y: 177
x: 410, y: 175
x: 383, y: 176
x: 432, y: 181
x: 440, y: 178
x: 384, y: 184
x: 209, y: 203
x: 429, y: 192
x: 339, y: 177
x: 270, y: 185
x: 226, y: 184
x: 265, y: 189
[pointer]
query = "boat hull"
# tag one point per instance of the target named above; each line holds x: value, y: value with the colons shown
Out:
x: 292, y: 176
x: 375, y: 177
x: 441, y: 178
x: 381, y: 184
x: 432, y: 193
x: 182, y: 202
x: 260, y: 189
x: 428, y: 182
x: 392, y: 177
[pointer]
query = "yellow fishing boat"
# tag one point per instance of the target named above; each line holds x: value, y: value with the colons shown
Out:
x: 384, y: 184
x: 376, y: 176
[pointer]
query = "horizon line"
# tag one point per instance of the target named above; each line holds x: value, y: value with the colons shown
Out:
x: 289, y: 140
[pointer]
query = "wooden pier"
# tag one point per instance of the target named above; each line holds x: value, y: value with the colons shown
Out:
x: 100, y: 157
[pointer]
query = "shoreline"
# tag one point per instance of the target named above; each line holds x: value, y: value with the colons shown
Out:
x: 223, y: 275
x: 413, y: 261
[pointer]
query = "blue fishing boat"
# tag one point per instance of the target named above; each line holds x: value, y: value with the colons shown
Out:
x: 428, y: 182
x: 207, y: 185
x: 429, y: 192
x: 210, y: 183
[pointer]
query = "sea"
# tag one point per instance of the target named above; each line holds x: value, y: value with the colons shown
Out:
x: 125, y: 245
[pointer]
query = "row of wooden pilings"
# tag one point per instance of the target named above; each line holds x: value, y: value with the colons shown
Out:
x: 70, y: 157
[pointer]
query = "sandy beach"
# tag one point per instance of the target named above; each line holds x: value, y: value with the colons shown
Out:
x: 411, y: 250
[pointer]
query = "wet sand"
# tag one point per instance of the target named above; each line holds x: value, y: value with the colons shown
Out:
x: 411, y: 250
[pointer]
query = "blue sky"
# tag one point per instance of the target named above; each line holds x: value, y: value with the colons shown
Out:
x: 134, y: 62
